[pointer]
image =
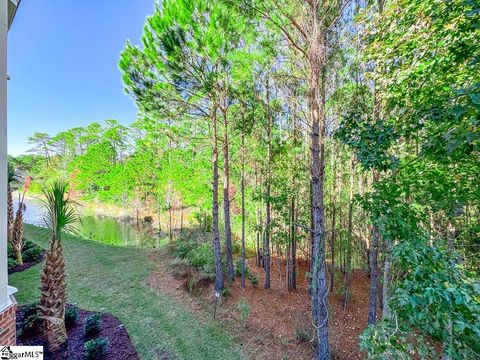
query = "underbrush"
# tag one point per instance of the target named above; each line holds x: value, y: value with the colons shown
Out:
x: 195, y: 263
x: 197, y: 254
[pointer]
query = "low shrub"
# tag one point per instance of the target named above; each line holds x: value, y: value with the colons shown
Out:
x: 253, y: 279
x: 202, y: 256
x: 31, y: 322
x: 179, y: 269
x: 303, y: 335
x: 11, y: 263
x: 10, y: 252
x: 32, y: 253
x: 238, y: 268
x: 236, y: 247
x: 92, y: 325
x: 226, y: 292
x: 196, y: 283
x: 30, y: 309
x: 197, y: 254
x: 29, y: 245
x: 243, y: 308
x: 303, y: 327
x: 96, y: 349
x: 71, y: 316
x: 208, y: 271
x: 183, y: 247
x: 248, y: 273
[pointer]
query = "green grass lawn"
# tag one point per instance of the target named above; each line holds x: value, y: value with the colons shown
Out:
x: 113, y: 279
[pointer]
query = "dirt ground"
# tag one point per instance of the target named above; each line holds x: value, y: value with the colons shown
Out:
x: 276, y: 324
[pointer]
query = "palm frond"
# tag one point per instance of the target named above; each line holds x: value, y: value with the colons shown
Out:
x: 60, y: 213
x: 13, y: 177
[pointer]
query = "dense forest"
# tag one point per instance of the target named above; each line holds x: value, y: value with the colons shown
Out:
x: 342, y: 133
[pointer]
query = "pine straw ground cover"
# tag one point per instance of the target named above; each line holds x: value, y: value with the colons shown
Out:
x: 270, y: 324
x: 105, y: 278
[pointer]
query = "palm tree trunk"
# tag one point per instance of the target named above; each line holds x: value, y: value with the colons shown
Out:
x: 17, y: 234
x: 10, y: 214
x: 53, y: 296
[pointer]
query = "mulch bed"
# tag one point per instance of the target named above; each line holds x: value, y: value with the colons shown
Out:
x: 120, y: 348
x: 26, y: 265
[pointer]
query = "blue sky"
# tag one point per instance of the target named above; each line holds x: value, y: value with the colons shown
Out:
x: 63, y: 57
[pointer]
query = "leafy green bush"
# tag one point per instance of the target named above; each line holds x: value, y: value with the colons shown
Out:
x: 31, y: 322
x: 238, y: 268
x: 438, y: 300
x: 226, y: 292
x: 29, y: 245
x: 11, y: 262
x: 30, y: 309
x: 71, y: 316
x: 201, y: 255
x: 197, y: 254
x: 32, y: 253
x: 184, y: 247
x: 92, y: 325
x: 10, y: 252
x: 96, y: 349
x: 253, y: 279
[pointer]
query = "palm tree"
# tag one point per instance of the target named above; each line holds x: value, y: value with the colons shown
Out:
x: 60, y: 216
x: 12, y: 179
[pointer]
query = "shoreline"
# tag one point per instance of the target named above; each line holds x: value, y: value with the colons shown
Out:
x: 181, y: 218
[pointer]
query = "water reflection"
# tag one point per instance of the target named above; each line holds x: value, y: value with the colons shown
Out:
x: 105, y: 229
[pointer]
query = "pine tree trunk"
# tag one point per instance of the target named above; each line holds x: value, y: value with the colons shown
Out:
x: 259, y: 256
x: 293, y: 249
x: 373, y: 261
x: 226, y: 200
x: 53, y: 296
x: 312, y: 254
x: 348, y: 260
x: 292, y: 274
x: 386, y: 283
x: 243, y: 212
x: 266, y: 247
x: 170, y: 225
x: 216, y: 235
x: 379, y: 284
x: 316, y: 103
x: 334, y: 219
x: 258, y: 223
x: 332, y: 248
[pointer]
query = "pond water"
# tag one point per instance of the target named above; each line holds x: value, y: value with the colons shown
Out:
x: 108, y: 230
